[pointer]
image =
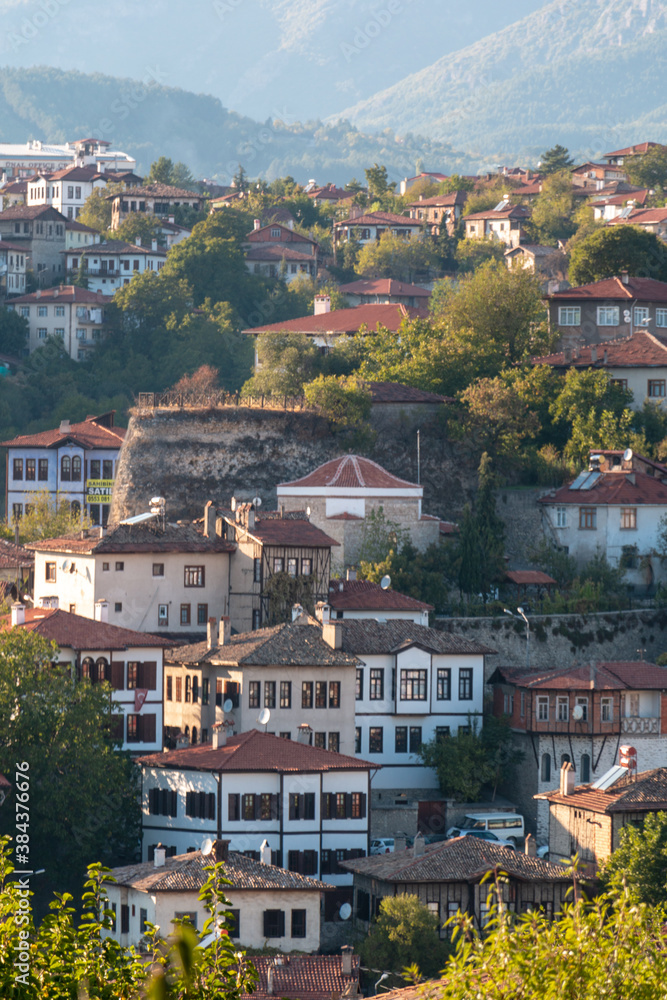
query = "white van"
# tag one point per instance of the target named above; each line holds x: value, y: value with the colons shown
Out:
x: 506, y: 826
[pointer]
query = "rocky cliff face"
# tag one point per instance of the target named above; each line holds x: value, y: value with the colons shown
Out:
x: 191, y: 456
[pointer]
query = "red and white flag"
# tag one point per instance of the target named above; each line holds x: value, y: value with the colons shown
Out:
x: 140, y: 695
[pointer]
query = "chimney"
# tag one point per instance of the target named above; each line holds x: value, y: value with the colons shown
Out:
x: 566, y: 778
x: 251, y: 518
x: 137, y: 241
x: 265, y: 853
x: 154, y: 245
x: 605, y: 356
x: 256, y: 224
x: 160, y: 856
x: 594, y: 354
x: 567, y: 354
x: 322, y: 305
x: 530, y: 846
x: 418, y: 846
x: 304, y: 734
x: 225, y: 633
x: 102, y: 610
x: 332, y: 633
x: 209, y: 519
x: 64, y: 427
x: 351, y: 573
x: 221, y: 849
x: 323, y: 612
x: 346, y: 953
x: 212, y: 633
x: 18, y: 614
x: 625, y: 277
x: 297, y: 611
x: 270, y: 981
x: 218, y: 735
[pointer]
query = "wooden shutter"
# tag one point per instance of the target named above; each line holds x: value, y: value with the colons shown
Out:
x: 148, y: 675
x: 276, y: 859
x: 327, y: 805
x: 173, y: 805
x: 348, y: 805
x: 275, y: 807
x: 302, y: 806
x: 154, y: 801
x: 117, y: 729
x: 293, y: 800
x: 211, y: 805
x: 281, y: 922
x: 362, y: 806
x: 233, y: 807
x: 118, y: 675
x: 190, y: 804
x: 147, y: 728
x: 165, y: 797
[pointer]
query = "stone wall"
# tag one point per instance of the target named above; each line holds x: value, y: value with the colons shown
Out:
x: 522, y: 516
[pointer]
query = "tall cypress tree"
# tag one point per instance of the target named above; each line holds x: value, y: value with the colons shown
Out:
x: 482, y: 538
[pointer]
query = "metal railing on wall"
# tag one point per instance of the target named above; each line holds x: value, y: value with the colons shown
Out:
x: 219, y: 399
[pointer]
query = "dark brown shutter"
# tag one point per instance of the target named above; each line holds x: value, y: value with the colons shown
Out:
x: 118, y: 676
x: 173, y: 810
x: 348, y: 805
x: 302, y: 806
x: 362, y: 805
x: 233, y: 807
x: 275, y: 807
x: 148, y: 673
x: 211, y: 805
x: 147, y: 723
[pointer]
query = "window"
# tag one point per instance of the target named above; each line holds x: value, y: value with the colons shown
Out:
x: 202, y: 614
x: 17, y: 511
x: 256, y: 619
x: 233, y: 923
x: 253, y: 694
x: 170, y: 687
x: 562, y: 708
x: 41, y: 333
x: 95, y: 469
x: 543, y: 708
x: 415, y: 738
x: 569, y: 316
x: 158, y: 568
x: 185, y: 614
x: 42, y: 311
x: 120, y: 566
x: 132, y: 676
x: 641, y: 315
x: 656, y: 387
x: 285, y: 694
x: 608, y: 315
x: 25, y: 311
x: 141, y: 729
x: 334, y: 742
x: 193, y: 576
x: 124, y: 918
x: 80, y: 333
x: 357, y: 739
x: 107, y: 469
x: 59, y: 311
x: 18, y: 468
x: 292, y: 567
x: 257, y: 570
x: 442, y: 733
x: 607, y: 710
x: 76, y: 468
x: 50, y: 576
x: 561, y: 517
x: 523, y: 704
x: 465, y: 684
x: 444, y: 688
x: 286, y: 736
x: 321, y: 740
x: 201, y: 805
x: 375, y: 739
x: 306, y: 567
x: 278, y: 564
x: 30, y: 468
x: 401, y: 739
x: 320, y: 694
x: 413, y: 685
x: 163, y: 614
x: 298, y: 923
x: 359, y: 691
x: 274, y: 923
x: 588, y: 518
x: 377, y: 684
x: 334, y: 694
x: 307, y: 694
x: 275, y: 234
x: 205, y: 695
x: 546, y: 767
x: 269, y: 694
x: 43, y: 469
x: 162, y: 802
x: 661, y: 317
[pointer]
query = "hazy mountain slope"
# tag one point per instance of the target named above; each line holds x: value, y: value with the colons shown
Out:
x: 299, y: 59
x: 149, y: 120
x: 585, y: 71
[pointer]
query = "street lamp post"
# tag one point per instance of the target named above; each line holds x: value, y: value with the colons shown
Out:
x: 521, y: 615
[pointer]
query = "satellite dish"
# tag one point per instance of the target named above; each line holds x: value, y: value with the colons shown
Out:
x: 206, y: 847
x: 257, y: 501
x: 385, y: 582
x: 345, y: 911
x: 157, y: 501
x: 67, y: 565
x: 627, y: 455
x: 264, y: 716
x: 228, y: 706
x: 577, y: 713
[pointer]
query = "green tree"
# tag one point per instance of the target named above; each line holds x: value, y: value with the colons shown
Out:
x: 346, y: 402
x: 378, y: 183
x: 405, y: 933
x: 648, y: 169
x: 96, y: 211
x: 607, y: 252
x: 395, y: 257
x: 13, y: 332
x: 83, y: 790
x: 142, y: 226
x: 555, y: 159
x: 47, y: 516
x: 161, y: 171
x: 461, y: 762
x: 422, y: 575
x: 552, y: 215
x: 482, y: 538
x: 287, y: 361
x: 473, y: 253
x: 496, y: 419
x: 379, y: 536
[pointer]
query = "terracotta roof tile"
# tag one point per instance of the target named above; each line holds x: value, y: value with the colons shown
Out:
x: 647, y: 792
x: 641, y: 217
x: 366, y: 636
x: 640, y: 147
x: 362, y: 595
x: 442, y: 200
x: 277, y: 252
x: 145, y: 537
x: 255, y: 751
x: 641, y: 289
x: 256, y: 235
x: 155, y: 191
x: 303, y: 977
x: 77, y: 632
x: 31, y: 212
x: 13, y: 556
x: 384, y: 286
x: 186, y: 872
x: 281, y: 531
x: 62, y: 294
x: 641, y: 350
x: 512, y: 212
x: 529, y: 577
x: 457, y: 860
x: 89, y: 434
x: 613, y: 488
x: 379, y: 219
x: 350, y: 472
x: 340, y: 321
x: 111, y: 247
x: 598, y: 676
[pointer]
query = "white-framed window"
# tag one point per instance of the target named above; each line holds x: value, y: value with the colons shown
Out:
x: 569, y: 315
x: 80, y: 333
x: 41, y: 333
x: 42, y: 310
x: 607, y: 709
x: 562, y: 708
x: 607, y: 315
x: 59, y: 332
x: 641, y: 315
x: 25, y: 311
x: 661, y: 317
x: 59, y: 310
x: 561, y: 517
x: 543, y: 708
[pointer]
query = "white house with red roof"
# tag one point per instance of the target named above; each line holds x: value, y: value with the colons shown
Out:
x: 618, y: 156
x: 14, y: 264
x: 343, y: 493
x: 375, y: 291
x: 613, y: 308
x: 621, y: 205
x: 66, y: 190
x: 311, y: 805
x: 77, y: 235
x: 371, y: 226
x: 351, y: 598
x: 131, y: 662
x: 653, y: 220
x: 152, y: 199
x: 111, y: 265
x: 613, y: 507
x: 74, y: 315
x: 505, y: 223
x: 276, y: 250
x: 72, y: 461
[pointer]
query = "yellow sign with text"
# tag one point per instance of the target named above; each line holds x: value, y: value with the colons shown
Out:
x: 99, y: 490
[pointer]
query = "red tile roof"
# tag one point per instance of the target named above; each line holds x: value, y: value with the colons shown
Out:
x: 613, y: 488
x: 76, y: 174
x: 379, y: 219
x: 293, y: 644
x: 647, y: 792
x: 110, y: 247
x: 61, y: 293
x: 639, y: 196
x: 132, y: 538
x: 256, y: 751
x: 633, y: 675
x: 642, y: 217
x: 88, y: 434
x: 641, y: 350
x: 31, y: 212
x: 363, y: 636
x: 278, y: 252
x: 78, y: 227
x: 396, y: 392
x: 362, y: 595
x: 529, y: 577
x: 442, y: 200
x: 512, y: 212
x: 346, y: 321
x: 280, y: 531
x: 641, y: 289
x: 155, y: 191
x: 641, y: 147
x: 256, y: 235
x: 351, y: 472
x: 17, y: 247
x: 79, y: 633
x: 303, y: 977
x: 15, y: 556
x: 384, y: 286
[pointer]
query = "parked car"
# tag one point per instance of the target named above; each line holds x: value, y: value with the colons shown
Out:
x: 488, y: 835
x: 436, y: 838
x: 506, y: 826
x: 383, y: 845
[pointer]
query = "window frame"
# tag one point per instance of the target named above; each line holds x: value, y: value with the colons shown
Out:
x: 194, y: 576
x: 376, y: 684
x: 569, y: 315
x: 588, y: 518
x: 608, y: 315
x: 413, y: 684
x: 628, y: 519
x: 466, y: 683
